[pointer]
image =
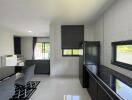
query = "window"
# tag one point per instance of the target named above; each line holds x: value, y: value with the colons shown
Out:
x: 122, y: 54
x: 42, y: 51
x: 123, y: 90
x: 72, y: 52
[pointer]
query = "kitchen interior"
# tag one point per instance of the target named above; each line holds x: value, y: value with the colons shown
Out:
x: 87, y: 60
x: 29, y: 52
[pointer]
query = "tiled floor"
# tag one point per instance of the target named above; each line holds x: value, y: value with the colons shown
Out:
x: 59, y: 89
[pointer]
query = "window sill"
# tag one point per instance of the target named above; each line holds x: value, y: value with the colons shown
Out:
x: 122, y: 65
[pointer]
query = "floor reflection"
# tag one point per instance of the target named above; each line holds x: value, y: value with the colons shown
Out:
x: 71, y: 97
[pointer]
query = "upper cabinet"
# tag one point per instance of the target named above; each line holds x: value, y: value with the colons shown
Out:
x: 71, y: 36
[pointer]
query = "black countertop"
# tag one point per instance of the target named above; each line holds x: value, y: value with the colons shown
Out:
x: 91, y: 69
x: 9, y: 71
x: 6, y: 72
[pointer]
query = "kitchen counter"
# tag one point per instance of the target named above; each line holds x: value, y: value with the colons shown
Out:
x: 103, y: 85
x: 10, y: 71
x: 6, y: 72
x: 101, y: 82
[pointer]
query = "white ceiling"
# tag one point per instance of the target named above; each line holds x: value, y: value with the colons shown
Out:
x: 36, y: 15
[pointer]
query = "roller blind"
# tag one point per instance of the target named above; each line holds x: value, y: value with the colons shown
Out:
x: 71, y: 36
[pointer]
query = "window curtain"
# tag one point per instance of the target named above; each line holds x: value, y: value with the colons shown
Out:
x: 34, y: 44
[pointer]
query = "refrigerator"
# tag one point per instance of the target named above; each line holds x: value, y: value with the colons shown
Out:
x: 90, y: 58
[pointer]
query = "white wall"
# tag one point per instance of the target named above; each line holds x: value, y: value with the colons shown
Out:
x: 99, y: 36
x: 89, y: 32
x: 63, y: 66
x: 116, y: 24
x: 43, y: 39
x: 27, y: 47
x: 6, y: 43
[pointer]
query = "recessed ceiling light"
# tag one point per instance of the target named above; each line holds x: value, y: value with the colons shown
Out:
x: 29, y: 31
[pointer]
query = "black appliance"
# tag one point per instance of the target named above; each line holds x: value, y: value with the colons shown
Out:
x: 89, y: 58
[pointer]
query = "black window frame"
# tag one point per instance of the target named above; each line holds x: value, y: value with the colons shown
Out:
x: 72, y: 55
x: 114, y: 54
x: 43, y: 47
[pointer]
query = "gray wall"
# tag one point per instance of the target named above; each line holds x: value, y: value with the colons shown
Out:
x: 63, y: 66
x: 115, y: 25
x: 99, y: 36
x: 27, y: 47
x: 89, y: 32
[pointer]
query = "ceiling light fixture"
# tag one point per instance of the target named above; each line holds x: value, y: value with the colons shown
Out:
x: 29, y: 31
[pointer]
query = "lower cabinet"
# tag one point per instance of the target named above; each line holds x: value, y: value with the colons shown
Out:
x: 42, y: 66
x: 85, y: 78
x: 96, y: 91
x: 101, y: 94
x: 92, y: 89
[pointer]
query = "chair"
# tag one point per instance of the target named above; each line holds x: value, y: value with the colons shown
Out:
x: 24, y: 81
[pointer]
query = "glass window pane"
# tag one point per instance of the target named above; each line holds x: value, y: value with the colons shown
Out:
x: 77, y: 52
x: 123, y: 90
x: 47, y: 51
x: 38, y: 51
x: 67, y: 52
x: 43, y: 48
x: 47, y: 47
x: 124, y: 54
x: 42, y: 51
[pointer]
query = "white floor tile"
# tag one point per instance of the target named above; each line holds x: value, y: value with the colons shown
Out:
x: 59, y: 89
